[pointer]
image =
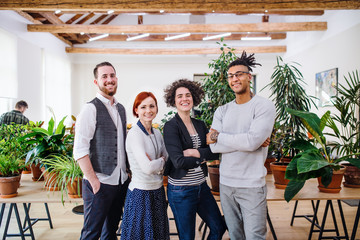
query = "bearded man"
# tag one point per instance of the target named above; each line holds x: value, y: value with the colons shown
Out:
x: 99, y: 148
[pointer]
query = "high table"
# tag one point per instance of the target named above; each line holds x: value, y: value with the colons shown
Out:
x: 30, y: 192
x: 310, y: 191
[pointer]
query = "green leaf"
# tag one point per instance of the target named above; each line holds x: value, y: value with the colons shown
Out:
x: 51, y: 126
x: 60, y: 126
x: 292, y: 189
x: 303, y: 145
x: 326, y: 176
x: 310, y: 161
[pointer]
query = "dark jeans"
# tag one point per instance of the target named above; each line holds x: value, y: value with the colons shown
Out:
x: 186, y: 201
x: 103, y: 210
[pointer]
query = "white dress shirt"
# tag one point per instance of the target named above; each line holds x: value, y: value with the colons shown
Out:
x: 84, y: 132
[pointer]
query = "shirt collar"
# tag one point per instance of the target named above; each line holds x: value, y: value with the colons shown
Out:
x: 143, y: 128
x: 105, y: 100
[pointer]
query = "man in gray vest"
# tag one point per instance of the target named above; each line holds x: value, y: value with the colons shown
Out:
x: 99, y: 149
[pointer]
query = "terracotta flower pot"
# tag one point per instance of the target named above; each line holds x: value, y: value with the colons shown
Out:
x: 335, y: 184
x: 278, y: 170
x: 352, y: 176
x: 72, y: 188
x: 165, y: 181
x: 36, y: 171
x: 267, y: 164
x: 214, y: 177
x: 9, y: 186
x: 50, y: 180
x: 27, y: 170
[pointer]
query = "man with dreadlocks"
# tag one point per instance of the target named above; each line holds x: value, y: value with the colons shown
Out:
x: 240, y: 131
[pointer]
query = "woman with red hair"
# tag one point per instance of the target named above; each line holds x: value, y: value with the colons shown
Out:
x: 145, y: 213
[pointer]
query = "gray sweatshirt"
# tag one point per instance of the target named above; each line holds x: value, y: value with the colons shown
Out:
x: 243, y: 128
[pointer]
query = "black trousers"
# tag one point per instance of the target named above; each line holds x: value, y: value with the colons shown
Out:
x: 103, y: 210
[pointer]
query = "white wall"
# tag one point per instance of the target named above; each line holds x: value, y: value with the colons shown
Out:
x: 34, y: 78
x: 340, y: 51
x: 30, y: 79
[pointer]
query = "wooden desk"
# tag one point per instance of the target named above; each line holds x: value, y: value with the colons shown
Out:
x: 30, y: 192
x: 310, y: 191
x: 34, y: 192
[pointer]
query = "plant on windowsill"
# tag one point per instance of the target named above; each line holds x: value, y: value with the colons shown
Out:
x: 287, y: 91
x: 311, y: 161
x: 348, y: 133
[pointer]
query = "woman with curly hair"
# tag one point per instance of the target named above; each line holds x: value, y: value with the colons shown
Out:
x: 185, y: 142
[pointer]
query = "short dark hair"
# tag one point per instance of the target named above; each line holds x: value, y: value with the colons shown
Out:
x: 21, y: 104
x: 141, y: 97
x: 248, y: 61
x: 101, y: 65
x: 195, y: 89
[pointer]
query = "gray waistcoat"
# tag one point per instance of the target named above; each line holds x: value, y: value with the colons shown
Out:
x: 103, y: 146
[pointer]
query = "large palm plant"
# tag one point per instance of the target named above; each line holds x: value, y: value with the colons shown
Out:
x: 288, y: 92
x: 346, y: 124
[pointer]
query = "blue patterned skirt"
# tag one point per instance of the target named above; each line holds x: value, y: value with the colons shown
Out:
x: 145, y: 215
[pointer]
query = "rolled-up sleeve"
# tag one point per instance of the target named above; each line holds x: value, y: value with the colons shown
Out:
x: 84, y: 131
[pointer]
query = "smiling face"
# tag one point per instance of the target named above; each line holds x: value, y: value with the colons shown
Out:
x: 240, y: 84
x: 106, y: 81
x: 183, y: 100
x: 147, y: 110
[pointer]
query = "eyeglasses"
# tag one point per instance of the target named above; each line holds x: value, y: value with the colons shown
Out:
x: 238, y: 74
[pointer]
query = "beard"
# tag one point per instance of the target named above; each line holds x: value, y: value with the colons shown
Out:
x: 107, y: 92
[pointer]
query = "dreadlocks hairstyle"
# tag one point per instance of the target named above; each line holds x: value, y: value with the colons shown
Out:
x: 248, y: 61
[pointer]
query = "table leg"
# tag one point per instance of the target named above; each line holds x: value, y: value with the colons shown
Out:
x: 313, y: 220
x: 2, y: 212
x: 343, y: 219
x: 356, y: 223
x: 270, y: 224
x: 28, y: 220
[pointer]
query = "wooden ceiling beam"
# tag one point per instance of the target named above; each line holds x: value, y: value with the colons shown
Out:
x: 52, y: 18
x: 269, y: 12
x: 31, y: 19
x: 173, y: 51
x: 109, y: 19
x: 178, y: 5
x: 181, y: 28
x: 193, y: 37
x: 74, y: 18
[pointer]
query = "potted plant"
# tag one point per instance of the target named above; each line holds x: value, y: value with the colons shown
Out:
x: 69, y: 175
x: 217, y: 93
x: 348, y: 133
x: 311, y: 161
x: 11, y: 163
x: 53, y: 140
x: 287, y: 90
x: 10, y: 172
